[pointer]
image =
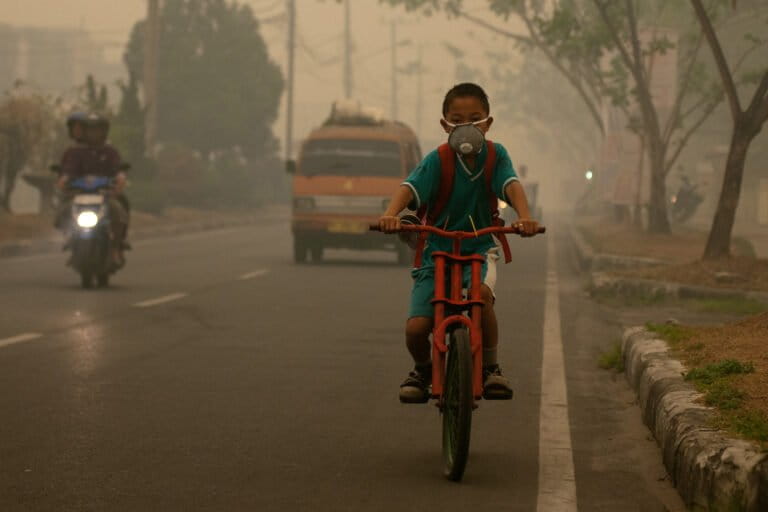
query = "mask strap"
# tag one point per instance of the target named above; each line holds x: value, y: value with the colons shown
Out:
x: 473, y: 123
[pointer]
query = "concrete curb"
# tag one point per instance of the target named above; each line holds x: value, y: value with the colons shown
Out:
x: 709, y: 470
x: 593, y: 261
x: 599, y: 280
x: 48, y: 245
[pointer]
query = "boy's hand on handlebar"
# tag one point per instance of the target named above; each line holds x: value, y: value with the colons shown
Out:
x: 389, y: 223
x: 527, y: 227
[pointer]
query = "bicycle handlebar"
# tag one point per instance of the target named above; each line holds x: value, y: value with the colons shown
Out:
x: 457, y: 234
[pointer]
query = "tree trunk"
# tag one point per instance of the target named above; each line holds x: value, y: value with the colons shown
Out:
x: 658, y: 222
x: 719, y: 241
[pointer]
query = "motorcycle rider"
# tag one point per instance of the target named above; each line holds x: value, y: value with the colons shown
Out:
x: 94, y: 156
x: 76, y: 126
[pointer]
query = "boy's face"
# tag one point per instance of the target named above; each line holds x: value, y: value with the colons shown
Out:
x: 466, y: 109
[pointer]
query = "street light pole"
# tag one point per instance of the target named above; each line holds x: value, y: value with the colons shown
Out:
x: 151, y: 44
x: 347, y: 52
x: 291, y: 8
x: 419, y: 89
x: 393, y: 93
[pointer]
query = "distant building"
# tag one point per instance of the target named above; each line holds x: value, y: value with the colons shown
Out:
x: 52, y: 60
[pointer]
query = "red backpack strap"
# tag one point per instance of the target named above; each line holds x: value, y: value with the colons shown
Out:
x: 490, y: 167
x: 430, y: 213
x: 447, y: 173
x: 493, y: 201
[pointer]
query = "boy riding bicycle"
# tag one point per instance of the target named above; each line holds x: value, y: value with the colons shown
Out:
x: 455, y: 188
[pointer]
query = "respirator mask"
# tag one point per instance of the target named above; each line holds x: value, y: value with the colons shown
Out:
x: 466, y: 138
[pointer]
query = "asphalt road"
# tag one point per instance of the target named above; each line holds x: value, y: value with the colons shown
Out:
x: 217, y: 375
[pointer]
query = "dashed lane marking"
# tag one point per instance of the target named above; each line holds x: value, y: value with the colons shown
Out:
x: 254, y: 274
x: 27, y: 336
x: 160, y: 300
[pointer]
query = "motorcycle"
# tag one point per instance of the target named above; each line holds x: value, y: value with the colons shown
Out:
x: 89, y: 234
x: 685, y: 202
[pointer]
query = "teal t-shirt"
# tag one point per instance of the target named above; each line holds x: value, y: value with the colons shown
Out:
x: 467, y: 198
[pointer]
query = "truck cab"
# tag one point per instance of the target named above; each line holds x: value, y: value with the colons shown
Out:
x: 346, y: 173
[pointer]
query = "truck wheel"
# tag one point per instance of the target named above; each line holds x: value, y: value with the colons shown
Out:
x: 317, y: 253
x: 299, y: 250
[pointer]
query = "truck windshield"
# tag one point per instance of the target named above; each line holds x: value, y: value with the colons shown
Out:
x: 351, y: 157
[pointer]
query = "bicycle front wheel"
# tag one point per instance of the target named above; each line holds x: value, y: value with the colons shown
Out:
x: 458, y: 402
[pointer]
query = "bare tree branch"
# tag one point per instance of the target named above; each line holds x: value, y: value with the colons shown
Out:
x: 746, y: 54
x: 635, y: 41
x: 674, y: 117
x: 722, y: 65
x: 696, y: 106
x: 758, y: 107
x: 687, y: 135
x: 493, y: 28
x: 535, y: 41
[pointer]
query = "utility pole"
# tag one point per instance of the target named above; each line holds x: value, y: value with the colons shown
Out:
x: 419, y: 89
x: 151, y: 44
x: 291, y: 9
x: 347, y: 52
x: 393, y: 93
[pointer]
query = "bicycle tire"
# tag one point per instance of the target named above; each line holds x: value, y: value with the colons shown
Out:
x: 458, y: 401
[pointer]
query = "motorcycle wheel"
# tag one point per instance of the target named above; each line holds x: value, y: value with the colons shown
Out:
x: 102, y: 280
x: 86, y: 280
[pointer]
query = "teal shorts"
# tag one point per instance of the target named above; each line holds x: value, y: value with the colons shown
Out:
x: 424, y: 284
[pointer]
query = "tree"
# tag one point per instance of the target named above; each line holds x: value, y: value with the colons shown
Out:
x: 95, y: 96
x: 217, y: 87
x: 31, y: 135
x: 747, y: 124
x: 128, y: 125
x: 606, y: 50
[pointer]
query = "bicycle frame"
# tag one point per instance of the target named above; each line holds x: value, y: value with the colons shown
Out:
x: 444, y: 298
x: 452, y: 297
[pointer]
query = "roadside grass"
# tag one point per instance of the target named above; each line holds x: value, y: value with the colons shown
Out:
x: 719, y: 383
x: 612, y: 359
x: 624, y: 299
x: 672, y: 333
x: 741, y: 306
x: 736, y: 306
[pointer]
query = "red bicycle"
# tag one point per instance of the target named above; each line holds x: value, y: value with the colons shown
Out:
x: 457, y: 341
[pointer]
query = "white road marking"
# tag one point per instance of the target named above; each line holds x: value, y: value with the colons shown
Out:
x: 27, y: 336
x: 160, y: 300
x: 254, y: 274
x: 557, y: 478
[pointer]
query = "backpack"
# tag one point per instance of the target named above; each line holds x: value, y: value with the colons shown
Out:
x: 429, y: 213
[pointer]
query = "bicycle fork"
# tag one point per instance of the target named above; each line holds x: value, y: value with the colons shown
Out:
x: 474, y: 303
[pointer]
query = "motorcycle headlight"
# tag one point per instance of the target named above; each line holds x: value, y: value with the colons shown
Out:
x: 87, y: 219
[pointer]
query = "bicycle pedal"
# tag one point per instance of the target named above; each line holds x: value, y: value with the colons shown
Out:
x: 503, y: 395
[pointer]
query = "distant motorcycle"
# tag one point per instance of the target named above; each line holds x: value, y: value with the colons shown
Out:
x: 89, y: 237
x: 684, y: 203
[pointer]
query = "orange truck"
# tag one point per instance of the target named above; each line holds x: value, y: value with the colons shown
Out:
x: 345, y: 175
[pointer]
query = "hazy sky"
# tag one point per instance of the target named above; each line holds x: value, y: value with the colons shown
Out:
x: 318, y: 66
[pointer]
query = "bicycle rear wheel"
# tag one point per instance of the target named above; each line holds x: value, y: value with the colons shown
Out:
x: 457, y: 404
